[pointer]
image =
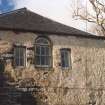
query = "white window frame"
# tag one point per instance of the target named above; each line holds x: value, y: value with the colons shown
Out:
x: 19, y: 57
x: 68, y: 57
x: 43, y: 45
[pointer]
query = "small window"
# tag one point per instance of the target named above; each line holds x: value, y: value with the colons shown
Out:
x: 65, y: 58
x: 20, y: 56
x: 42, y: 52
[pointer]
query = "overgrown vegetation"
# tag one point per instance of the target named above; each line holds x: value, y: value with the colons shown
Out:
x: 93, y: 11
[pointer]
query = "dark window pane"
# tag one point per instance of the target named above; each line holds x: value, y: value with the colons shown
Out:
x: 16, y: 51
x: 20, y: 54
x: 38, y: 50
x: 47, y: 51
x: 21, y: 61
x: 43, y: 50
x: 48, y: 60
x: 62, y: 59
x: 37, y: 59
x: 17, y: 62
x: 65, y: 58
x: 43, y: 60
x: 21, y: 51
x: 42, y: 41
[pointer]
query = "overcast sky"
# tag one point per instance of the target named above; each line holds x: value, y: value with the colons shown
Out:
x: 59, y: 10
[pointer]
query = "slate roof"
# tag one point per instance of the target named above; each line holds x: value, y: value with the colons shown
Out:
x: 25, y: 20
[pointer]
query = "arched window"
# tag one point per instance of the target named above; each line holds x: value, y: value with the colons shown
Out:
x: 42, y: 52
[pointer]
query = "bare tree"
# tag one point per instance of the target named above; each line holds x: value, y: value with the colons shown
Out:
x: 95, y: 15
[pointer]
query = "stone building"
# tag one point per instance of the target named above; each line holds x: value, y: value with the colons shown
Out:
x: 48, y: 62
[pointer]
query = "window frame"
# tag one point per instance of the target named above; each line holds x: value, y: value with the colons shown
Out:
x: 23, y: 58
x: 50, y: 52
x: 68, y: 50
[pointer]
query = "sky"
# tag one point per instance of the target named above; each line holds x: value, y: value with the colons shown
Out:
x: 59, y: 10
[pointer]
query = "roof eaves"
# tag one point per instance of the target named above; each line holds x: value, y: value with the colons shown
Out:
x: 56, y: 33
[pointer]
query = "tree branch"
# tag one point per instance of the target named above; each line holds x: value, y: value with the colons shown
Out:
x: 98, y: 17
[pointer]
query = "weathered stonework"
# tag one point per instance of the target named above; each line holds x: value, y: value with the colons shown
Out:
x: 83, y: 84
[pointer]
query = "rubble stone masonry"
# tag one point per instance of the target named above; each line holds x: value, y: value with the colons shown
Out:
x: 82, y: 84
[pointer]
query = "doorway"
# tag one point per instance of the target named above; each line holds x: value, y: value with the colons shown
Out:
x: 2, y: 68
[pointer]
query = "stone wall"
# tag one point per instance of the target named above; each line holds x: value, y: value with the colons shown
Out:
x: 83, y: 84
